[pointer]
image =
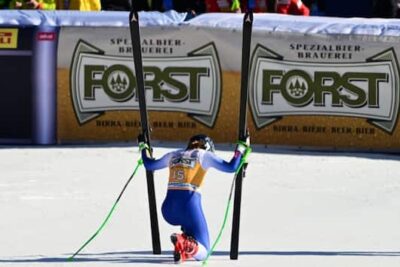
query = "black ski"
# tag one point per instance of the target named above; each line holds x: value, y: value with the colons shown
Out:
x: 137, y: 58
x: 243, y: 133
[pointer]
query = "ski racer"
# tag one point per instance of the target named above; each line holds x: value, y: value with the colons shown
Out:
x: 182, y: 205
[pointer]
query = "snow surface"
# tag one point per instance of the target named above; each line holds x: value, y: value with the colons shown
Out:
x: 298, y: 209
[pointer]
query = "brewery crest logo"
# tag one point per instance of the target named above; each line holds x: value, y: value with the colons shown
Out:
x: 367, y: 89
x: 189, y: 84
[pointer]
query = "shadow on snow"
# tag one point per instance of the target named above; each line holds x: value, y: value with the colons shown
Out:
x: 166, y: 256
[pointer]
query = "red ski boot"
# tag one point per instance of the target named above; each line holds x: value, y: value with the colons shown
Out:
x: 185, y: 247
x: 190, y: 247
x: 178, y: 240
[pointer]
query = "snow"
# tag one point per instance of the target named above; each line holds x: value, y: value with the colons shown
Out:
x: 298, y: 208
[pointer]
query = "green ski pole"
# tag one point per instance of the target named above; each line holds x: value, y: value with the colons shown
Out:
x: 228, y: 207
x: 140, y: 162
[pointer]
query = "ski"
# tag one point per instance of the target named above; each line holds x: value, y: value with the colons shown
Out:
x: 243, y: 133
x: 137, y: 58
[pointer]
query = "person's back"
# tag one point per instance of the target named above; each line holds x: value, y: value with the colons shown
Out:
x: 4, y: 4
x: 348, y: 8
x: 385, y: 8
x: 359, y: 8
x: 186, y: 170
x: 84, y: 5
x: 122, y: 5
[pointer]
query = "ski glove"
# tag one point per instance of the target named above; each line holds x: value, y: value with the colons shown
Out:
x: 243, y: 146
x: 143, y: 146
x: 142, y: 143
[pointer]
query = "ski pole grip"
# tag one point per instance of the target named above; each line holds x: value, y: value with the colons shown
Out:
x: 143, y: 146
x: 246, y: 154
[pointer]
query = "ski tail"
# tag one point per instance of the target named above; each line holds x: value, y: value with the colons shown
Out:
x: 243, y: 131
x: 137, y: 58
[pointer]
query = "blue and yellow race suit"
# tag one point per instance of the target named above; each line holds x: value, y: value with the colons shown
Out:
x: 182, y: 205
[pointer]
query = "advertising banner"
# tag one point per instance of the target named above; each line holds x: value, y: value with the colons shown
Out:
x: 97, y: 97
x: 313, y: 83
x: 336, y: 91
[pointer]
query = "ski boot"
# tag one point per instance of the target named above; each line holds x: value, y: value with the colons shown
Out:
x: 190, y: 247
x: 178, y: 240
x: 185, y: 247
